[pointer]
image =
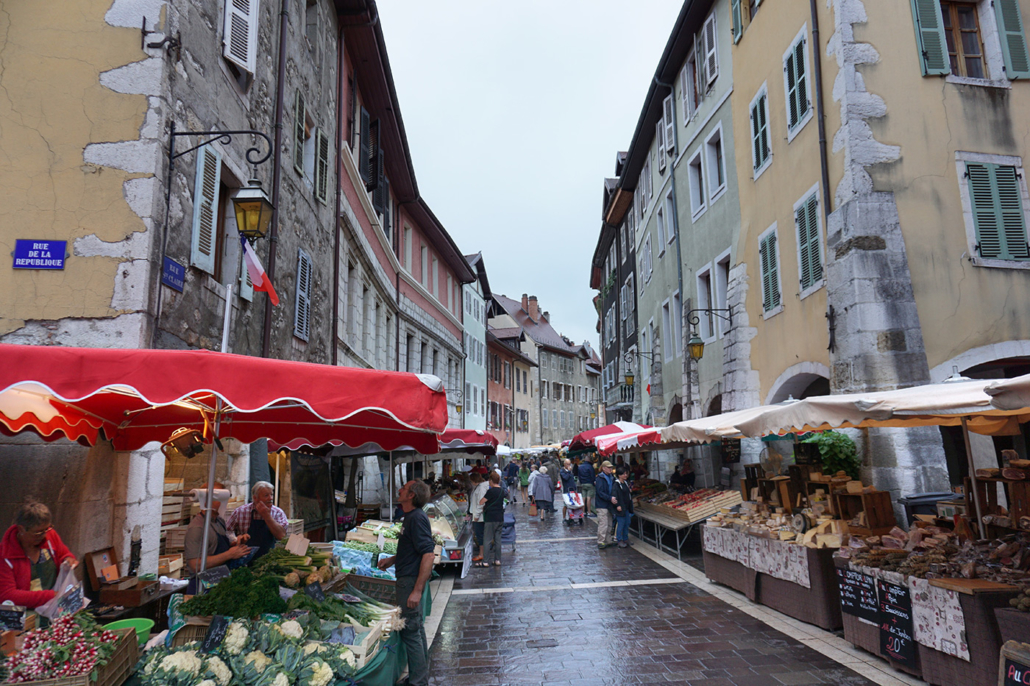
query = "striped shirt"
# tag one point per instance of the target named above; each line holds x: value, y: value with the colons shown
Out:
x: 239, y: 520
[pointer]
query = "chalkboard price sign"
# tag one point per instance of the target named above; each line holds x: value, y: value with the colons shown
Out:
x: 730, y: 450
x: 314, y: 590
x: 1015, y: 674
x: 858, y: 594
x: 12, y: 617
x: 210, y: 577
x: 72, y: 601
x: 896, y: 635
x: 215, y: 633
x: 1015, y: 664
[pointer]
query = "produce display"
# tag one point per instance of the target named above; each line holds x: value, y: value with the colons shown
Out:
x: 1022, y: 601
x: 931, y: 552
x: 291, y: 652
x: 646, y: 488
x: 241, y: 594
x: 765, y: 521
x: 389, y: 547
x: 366, y: 613
x: 693, y: 506
x: 291, y: 570
x: 72, y: 645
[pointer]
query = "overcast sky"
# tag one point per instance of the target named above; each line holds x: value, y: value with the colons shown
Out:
x: 514, y: 112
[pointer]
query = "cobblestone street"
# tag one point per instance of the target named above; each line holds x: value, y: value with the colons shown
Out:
x: 562, y: 612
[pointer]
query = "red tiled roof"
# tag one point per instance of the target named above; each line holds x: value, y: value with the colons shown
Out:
x: 540, y: 331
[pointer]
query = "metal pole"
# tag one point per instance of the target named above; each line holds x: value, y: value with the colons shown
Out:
x: 972, y: 478
x: 278, y: 461
x: 211, y: 484
x: 389, y: 485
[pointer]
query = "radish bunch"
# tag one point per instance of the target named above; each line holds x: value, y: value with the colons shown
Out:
x: 70, y: 646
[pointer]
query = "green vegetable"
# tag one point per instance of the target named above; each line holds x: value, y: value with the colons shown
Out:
x: 389, y: 547
x: 240, y: 595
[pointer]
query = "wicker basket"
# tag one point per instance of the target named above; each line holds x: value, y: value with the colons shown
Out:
x: 114, y: 673
x: 189, y: 633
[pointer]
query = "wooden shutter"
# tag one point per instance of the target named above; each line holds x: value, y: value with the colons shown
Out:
x: 763, y: 129
x: 684, y: 91
x: 379, y: 186
x: 738, y: 23
x: 1013, y: 39
x: 299, y: 132
x: 659, y: 135
x: 930, y: 40
x: 364, y: 145
x: 205, y: 208
x: 669, y: 119
x: 770, y: 276
x: 321, y: 165
x: 302, y: 310
x: 810, y: 259
x: 699, y: 66
x: 790, y: 71
x: 997, y: 206
x: 239, y: 36
x: 246, y: 285
x: 711, y: 51
x: 801, y: 71
x: 756, y: 135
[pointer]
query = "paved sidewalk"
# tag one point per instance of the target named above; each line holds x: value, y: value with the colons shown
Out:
x: 559, y: 611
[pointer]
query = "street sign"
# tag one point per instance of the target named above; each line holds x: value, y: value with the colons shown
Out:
x: 173, y: 274
x: 33, y: 254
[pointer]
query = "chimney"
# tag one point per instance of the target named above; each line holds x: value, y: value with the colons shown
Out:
x: 547, y: 317
x: 533, y: 309
x: 525, y: 303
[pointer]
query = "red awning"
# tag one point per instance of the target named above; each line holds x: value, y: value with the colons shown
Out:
x: 620, y: 442
x: 135, y: 397
x: 468, y: 440
x: 588, y: 439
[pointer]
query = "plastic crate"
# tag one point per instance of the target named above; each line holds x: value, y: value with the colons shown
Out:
x: 114, y: 673
x: 189, y: 633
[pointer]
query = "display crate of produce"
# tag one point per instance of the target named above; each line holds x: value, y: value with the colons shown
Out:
x: 188, y: 634
x: 369, y: 643
x: 170, y: 565
x: 294, y: 526
x: 696, y: 506
x: 114, y: 673
x: 878, y: 509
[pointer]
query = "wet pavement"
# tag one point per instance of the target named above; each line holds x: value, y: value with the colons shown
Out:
x: 560, y: 611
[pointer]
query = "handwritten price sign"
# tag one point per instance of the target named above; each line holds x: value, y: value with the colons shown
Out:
x: 896, y: 635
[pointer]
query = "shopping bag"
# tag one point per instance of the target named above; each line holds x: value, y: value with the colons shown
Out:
x: 69, y: 598
x: 532, y: 510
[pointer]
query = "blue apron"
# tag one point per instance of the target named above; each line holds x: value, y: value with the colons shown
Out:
x: 261, y: 538
x: 221, y: 546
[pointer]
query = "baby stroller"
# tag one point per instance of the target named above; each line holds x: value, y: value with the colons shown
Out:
x: 574, y: 510
x: 508, y: 531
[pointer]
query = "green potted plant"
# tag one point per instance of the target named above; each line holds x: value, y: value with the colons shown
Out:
x: 837, y: 451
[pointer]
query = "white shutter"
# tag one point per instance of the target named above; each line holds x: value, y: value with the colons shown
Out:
x: 659, y: 135
x: 699, y: 66
x: 240, y: 33
x: 669, y: 118
x: 205, y: 208
x: 322, y: 169
x: 246, y: 285
x: 711, y: 51
x: 302, y: 311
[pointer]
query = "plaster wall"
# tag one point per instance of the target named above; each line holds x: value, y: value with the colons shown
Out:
x: 475, y: 373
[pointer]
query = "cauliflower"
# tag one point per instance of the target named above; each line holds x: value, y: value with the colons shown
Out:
x: 321, y: 674
x: 185, y: 661
x: 313, y: 647
x: 259, y: 659
x: 219, y: 670
x: 207, y: 682
x: 292, y: 629
x: 281, y: 680
x: 348, y: 657
x: 236, y: 638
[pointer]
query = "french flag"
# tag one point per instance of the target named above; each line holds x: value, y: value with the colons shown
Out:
x: 258, y: 277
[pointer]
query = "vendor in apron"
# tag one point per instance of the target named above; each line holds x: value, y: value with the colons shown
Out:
x: 260, y: 521
x: 221, y: 548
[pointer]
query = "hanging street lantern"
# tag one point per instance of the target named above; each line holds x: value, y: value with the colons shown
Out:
x: 253, y: 210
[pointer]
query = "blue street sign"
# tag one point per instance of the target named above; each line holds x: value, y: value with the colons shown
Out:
x: 32, y: 254
x: 173, y: 275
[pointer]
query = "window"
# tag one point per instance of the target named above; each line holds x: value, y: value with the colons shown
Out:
x: 322, y: 171
x: 722, y: 281
x: 951, y: 38
x: 300, y: 132
x: 688, y: 88
x: 769, y: 258
x: 669, y: 121
x: 525, y: 382
x: 710, y: 52
x: 647, y: 258
x: 424, y: 276
x: 507, y: 374
x: 561, y: 416
x: 667, y: 342
x: 450, y: 293
x: 659, y: 136
x: 795, y: 81
x: 761, y: 155
x: 302, y: 306
x: 434, y: 284
x: 810, y: 261
x: 407, y: 248
x: 743, y: 13
x: 962, y: 33
x: 995, y: 194
x: 716, y: 164
x: 544, y: 417
x: 677, y: 323
x: 704, y: 301
x: 205, y: 209
x: 554, y: 419
x: 660, y: 221
x: 240, y: 33
x: 670, y: 213
x: 695, y: 173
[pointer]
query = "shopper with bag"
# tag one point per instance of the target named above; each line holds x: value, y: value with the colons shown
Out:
x: 32, y: 556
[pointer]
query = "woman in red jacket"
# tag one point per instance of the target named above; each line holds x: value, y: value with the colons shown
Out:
x: 31, y: 554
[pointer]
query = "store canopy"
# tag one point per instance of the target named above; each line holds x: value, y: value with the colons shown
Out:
x: 628, y: 441
x: 942, y: 404
x: 469, y: 441
x: 134, y: 397
x: 1010, y: 394
x: 708, y: 429
x: 588, y: 439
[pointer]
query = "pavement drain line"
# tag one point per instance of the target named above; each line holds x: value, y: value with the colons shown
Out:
x: 824, y: 642
x: 567, y: 587
x: 555, y: 540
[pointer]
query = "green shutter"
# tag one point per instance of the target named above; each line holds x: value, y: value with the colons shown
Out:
x: 815, y: 262
x: 299, y: 132
x: 804, y: 262
x: 756, y: 144
x: 770, y: 278
x: 793, y: 116
x: 930, y: 40
x: 1013, y: 39
x: 738, y: 24
x: 759, y: 133
x: 997, y: 206
x: 801, y: 73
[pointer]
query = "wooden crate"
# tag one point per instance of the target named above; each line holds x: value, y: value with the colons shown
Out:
x: 114, y: 673
x: 173, y: 485
x: 879, y: 511
x: 294, y: 526
x: 175, y: 539
x: 370, y: 643
x: 170, y: 565
x: 188, y: 634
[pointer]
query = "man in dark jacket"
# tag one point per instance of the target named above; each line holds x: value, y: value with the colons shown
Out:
x: 605, y: 501
x: 585, y: 473
x: 623, y: 505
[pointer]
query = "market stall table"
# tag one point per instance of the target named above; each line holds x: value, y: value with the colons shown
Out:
x: 663, y: 525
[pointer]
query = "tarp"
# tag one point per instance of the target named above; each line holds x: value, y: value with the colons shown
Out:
x: 468, y: 440
x: 588, y: 439
x: 133, y: 397
x: 622, y: 442
x: 708, y: 429
x: 1010, y: 394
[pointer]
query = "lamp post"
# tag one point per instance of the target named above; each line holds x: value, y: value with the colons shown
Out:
x: 696, y: 346
x: 253, y: 209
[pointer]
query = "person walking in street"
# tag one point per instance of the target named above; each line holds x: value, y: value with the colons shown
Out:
x: 524, y: 482
x: 568, y: 485
x: 476, y: 510
x: 542, y: 491
x: 511, y: 477
x: 623, y: 505
x: 493, y: 521
x: 414, y: 565
x: 605, y: 505
x: 585, y: 472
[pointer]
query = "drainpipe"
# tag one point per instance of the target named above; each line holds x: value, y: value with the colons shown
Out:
x: 340, y: 67
x: 679, y: 258
x: 277, y: 169
x: 820, y: 113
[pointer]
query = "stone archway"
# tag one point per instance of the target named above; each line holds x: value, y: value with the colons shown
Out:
x: 801, y: 380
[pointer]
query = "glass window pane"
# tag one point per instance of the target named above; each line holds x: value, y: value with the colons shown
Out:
x: 970, y: 44
x: 967, y: 17
x: 974, y: 68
